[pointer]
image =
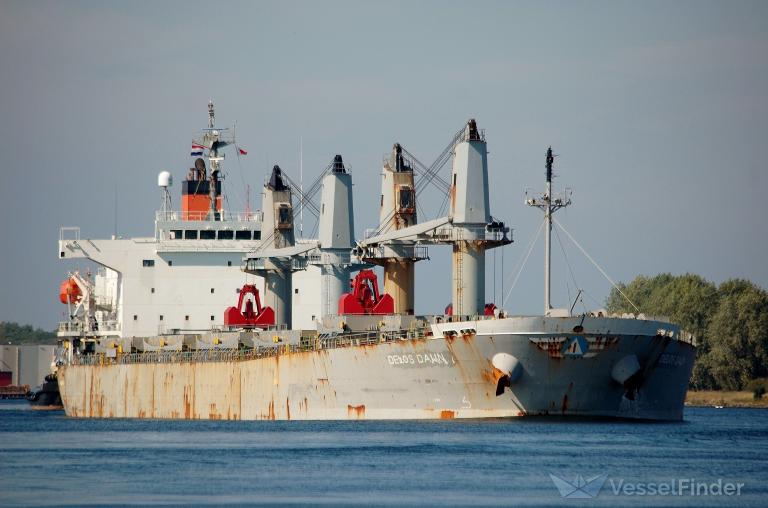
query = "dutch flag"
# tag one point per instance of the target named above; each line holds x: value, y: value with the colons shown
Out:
x: 197, y: 150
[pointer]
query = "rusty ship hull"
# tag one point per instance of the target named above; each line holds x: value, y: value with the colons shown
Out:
x: 565, y: 366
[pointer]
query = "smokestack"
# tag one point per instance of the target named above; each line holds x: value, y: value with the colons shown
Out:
x: 197, y: 193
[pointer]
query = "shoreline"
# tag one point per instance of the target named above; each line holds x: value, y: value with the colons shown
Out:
x: 712, y: 398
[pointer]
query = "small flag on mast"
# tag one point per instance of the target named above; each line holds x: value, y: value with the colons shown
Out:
x: 197, y: 150
x: 241, y: 151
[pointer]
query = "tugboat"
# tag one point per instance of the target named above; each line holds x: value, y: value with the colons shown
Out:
x: 45, y: 395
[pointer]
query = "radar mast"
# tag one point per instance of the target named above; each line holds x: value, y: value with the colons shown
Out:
x: 549, y: 204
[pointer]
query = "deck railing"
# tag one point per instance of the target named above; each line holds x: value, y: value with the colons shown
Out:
x: 79, y: 326
x: 323, y: 341
x: 221, y: 215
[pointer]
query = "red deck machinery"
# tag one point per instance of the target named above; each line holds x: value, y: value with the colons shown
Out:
x: 244, y: 316
x: 489, y: 310
x: 365, y: 297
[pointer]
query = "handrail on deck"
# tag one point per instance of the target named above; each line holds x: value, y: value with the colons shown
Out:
x: 243, y: 354
x: 221, y: 216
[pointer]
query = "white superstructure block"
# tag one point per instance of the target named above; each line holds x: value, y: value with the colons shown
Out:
x: 337, y: 235
x: 277, y: 294
x: 468, y: 278
x: 470, y: 202
x: 337, y: 224
x: 470, y: 212
x: 334, y: 283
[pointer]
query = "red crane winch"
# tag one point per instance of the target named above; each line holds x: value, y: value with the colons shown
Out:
x: 244, y: 316
x: 365, y: 297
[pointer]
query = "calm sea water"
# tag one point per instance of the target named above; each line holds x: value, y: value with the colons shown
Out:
x: 49, y: 459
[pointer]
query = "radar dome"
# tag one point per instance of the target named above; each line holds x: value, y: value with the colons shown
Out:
x: 164, y: 179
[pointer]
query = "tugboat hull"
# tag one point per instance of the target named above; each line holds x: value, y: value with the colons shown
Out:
x: 46, y: 396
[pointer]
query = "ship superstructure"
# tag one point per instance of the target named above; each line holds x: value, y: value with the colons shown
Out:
x: 178, y: 281
x: 314, y: 336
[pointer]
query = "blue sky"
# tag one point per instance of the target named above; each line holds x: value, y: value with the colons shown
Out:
x: 658, y: 111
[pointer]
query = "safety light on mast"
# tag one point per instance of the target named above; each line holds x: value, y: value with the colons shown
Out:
x: 549, y: 205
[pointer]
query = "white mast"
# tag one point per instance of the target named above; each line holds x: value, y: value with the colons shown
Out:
x: 214, y: 140
x: 549, y: 205
x: 214, y: 161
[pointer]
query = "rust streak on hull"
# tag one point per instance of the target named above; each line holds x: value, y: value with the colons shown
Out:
x: 357, y: 412
x: 408, y: 379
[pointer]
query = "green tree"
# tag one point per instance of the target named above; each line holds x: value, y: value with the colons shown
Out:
x: 24, y: 334
x: 688, y: 300
x: 730, y: 323
x: 738, y: 335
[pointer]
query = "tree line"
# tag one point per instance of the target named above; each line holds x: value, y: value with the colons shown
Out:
x: 729, y: 321
x: 16, y: 334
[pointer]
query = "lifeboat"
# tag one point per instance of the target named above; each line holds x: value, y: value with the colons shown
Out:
x: 69, y: 291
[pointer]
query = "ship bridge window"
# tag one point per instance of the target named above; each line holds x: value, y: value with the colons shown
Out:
x: 242, y: 235
x: 148, y: 262
x: 226, y: 234
x: 190, y: 234
x: 284, y: 216
x: 257, y: 235
x: 207, y: 234
x: 406, y: 198
x: 176, y: 234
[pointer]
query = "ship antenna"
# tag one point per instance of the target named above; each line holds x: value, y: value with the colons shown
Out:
x: 549, y: 205
x: 213, y: 157
x: 115, y: 204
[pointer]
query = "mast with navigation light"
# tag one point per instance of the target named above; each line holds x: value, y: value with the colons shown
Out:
x: 214, y: 139
x: 549, y: 205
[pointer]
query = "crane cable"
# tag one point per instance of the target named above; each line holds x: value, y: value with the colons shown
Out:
x: 522, y: 265
x: 586, y: 254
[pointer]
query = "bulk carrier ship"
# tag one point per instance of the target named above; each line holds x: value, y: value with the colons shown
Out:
x: 154, y: 335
